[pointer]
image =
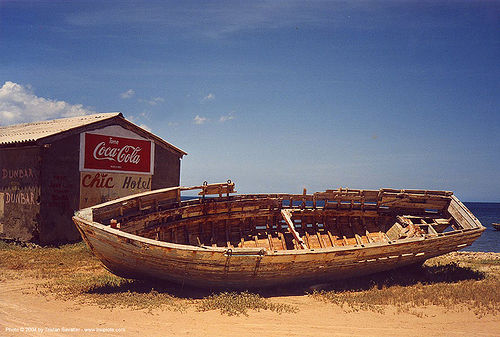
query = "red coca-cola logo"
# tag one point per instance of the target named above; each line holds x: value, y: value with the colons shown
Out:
x: 117, y: 154
x: 126, y: 154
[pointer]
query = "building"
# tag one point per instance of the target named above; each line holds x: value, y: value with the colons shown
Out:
x: 50, y: 169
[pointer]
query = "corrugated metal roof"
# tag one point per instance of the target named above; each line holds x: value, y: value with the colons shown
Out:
x: 29, y: 132
x: 33, y: 132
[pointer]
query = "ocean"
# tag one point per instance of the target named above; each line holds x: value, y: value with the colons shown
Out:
x: 487, y: 213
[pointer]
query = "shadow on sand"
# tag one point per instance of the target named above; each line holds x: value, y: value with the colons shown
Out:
x: 406, y: 276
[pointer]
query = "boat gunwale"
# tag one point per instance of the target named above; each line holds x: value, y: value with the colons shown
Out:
x: 88, y: 212
x: 86, y: 216
x: 267, y: 252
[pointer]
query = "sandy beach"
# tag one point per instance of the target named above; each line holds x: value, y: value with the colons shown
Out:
x: 27, y: 311
x: 21, y: 310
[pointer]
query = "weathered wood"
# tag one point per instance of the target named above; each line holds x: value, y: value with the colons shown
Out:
x: 259, y: 240
x: 291, y: 227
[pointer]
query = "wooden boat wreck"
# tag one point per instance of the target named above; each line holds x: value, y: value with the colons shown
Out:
x: 221, y: 240
x: 496, y: 226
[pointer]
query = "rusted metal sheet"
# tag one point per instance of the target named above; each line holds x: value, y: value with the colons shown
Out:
x: 21, y: 133
x: 44, y: 132
x: 245, y: 241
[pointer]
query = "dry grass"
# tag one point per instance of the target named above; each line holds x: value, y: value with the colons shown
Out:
x: 43, y: 263
x: 236, y: 303
x: 471, y: 284
x: 72, y: 272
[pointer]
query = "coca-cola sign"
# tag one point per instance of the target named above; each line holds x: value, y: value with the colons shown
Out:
x: 110, y: 153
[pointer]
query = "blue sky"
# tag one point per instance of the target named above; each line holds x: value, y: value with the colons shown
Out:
x: 275, y: 95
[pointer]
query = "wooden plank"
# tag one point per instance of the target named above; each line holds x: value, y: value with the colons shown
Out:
x: 308, y: 240
x: 368, y: 236
x: 288, y: 219
x: 363, y: 222
x: 462, y: 215
x: 330, y: 236
x: 270, y: 239
x: 186, y: 235
x: 411, y: 204
x: 432, y: 230
x: 282, y: 239
x: 213, y: 239
x: 242, y: 239
x: 320, y: 239
x: 336, y: 212
x: 226, y: 227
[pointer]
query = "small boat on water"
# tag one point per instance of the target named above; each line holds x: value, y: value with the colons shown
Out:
x: 225, y: 240
x: 496, y: 226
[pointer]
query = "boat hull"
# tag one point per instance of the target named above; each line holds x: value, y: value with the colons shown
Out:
x: 133, y: 256
x: 250, y: 241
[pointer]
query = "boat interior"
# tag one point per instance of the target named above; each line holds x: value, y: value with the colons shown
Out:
x: 334, y: 218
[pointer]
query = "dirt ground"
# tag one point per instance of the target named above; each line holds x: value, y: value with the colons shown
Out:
x: 24, y: 313
x: 27, y: 311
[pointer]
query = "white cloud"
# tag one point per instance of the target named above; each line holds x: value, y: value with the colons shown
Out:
x: 173, y: 124
x: 199, y: 120
x: 209, y: 97
x: 127, y: 94
x: 225, y: 118
x: 18, y: 104
x: 217, y: 19
x: 152, y: 101
x: 158, y: 99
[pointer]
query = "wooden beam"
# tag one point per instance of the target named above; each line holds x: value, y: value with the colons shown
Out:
x: 213, y: 239
x: 320, y: 240
x: 432, y: 230
x: 186, y: 235
x: 282, y: 239
x: 288, y: 219
x: 330, y: 236
x: 270, y: 240
x: 363, y: 222
x: 228, y: 242
x: 308, y: 240
x: 242, y: 239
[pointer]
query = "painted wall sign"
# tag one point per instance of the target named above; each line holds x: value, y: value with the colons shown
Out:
x: 108, y: 153
x: 20, y: 192
x: 18, y: 173
x: 98, y: 187
x: 28, y: 196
